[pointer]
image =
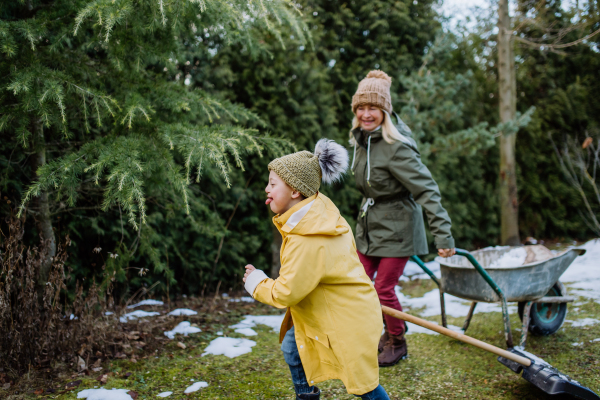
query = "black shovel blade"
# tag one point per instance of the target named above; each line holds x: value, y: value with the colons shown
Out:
x: 547, y: 378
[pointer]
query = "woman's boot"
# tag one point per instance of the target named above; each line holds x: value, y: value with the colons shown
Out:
x: 384, y: 338
x: 394, y: 350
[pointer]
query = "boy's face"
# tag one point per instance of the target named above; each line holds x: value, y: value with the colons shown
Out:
x: 280, y: 196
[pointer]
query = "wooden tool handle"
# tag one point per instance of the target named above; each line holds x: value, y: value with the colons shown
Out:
x: 456, y: 335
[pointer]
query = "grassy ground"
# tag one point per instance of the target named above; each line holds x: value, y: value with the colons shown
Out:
x: 437, y: 368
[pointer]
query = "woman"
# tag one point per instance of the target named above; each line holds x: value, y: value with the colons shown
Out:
x: 395, y: 184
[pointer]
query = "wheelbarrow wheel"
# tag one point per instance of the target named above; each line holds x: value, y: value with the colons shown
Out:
x: 546, y: 318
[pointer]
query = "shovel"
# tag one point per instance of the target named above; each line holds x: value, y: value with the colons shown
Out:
x: 535, y: 370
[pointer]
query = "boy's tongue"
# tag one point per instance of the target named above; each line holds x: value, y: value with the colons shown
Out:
x: 268, y: 201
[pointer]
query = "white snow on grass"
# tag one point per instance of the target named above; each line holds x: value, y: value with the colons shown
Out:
x: 148, y: 302
x: 412, y: 329
x: 250, y: 321
x: 245, y: 299
x: 583, y: 276
x: 137, y: 314
x: 229, y: 347
x: 595, y: 340
x: 413, y: 271
x: 577, y: 344
x: 246, y: 331
x: 195, y: 387
x: 182, y: 311
x: 164, y: 394
x: 109, y: 313
x: 510, y: 259
x: 104, y: 394
x: 184, y: 328
x: 455, y: 307
x: 583, y: 322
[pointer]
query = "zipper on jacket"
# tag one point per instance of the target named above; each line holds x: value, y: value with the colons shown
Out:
x: 367, y: 214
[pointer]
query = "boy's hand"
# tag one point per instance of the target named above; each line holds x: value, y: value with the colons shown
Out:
x: 446, y: 252
x: 249, y: 270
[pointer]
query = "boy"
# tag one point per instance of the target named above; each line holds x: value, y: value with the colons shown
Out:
x: 333, y: 321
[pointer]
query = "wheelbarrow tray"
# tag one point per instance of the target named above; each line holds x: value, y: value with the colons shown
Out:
x: 519, y: 283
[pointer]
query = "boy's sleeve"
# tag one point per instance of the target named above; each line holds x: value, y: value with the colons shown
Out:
x: 302, y: 267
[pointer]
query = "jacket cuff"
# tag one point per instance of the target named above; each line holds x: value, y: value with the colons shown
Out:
x: 444, y: 243
x: 252, y: 280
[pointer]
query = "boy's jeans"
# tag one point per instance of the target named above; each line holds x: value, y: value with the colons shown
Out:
x: 292, y: 358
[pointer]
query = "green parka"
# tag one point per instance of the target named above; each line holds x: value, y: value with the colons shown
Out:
x: 395, y: 184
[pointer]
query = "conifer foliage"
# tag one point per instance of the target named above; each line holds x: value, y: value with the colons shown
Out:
x: 95, y: 95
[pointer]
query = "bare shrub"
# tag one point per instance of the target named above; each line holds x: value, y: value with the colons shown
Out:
x: 580, y: 164
x: 37, y: 327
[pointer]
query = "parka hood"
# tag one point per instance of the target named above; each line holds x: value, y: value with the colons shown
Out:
x: 316, y: 215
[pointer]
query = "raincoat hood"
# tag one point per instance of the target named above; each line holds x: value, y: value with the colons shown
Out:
x: 312, y: 216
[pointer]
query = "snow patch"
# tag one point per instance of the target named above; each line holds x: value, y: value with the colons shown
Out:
x: 104, y: 394
x: 195, y: 387
x: 137, y: 314
x: 455, y: 307
x: 583, y: 276
x: 595, y: 340
x: 164, y: 394
x: 413, y: 271
x: 583, y: 322
x: 184, y: 328
x: 576, y: 344
x: 250, y: 321
x: 245, y: 299
x: 148, y: 302
x: 109, y: 313
x: 247, y: 331
x: 413, y: 328
x: 229, y: 347
x: 182, y: 311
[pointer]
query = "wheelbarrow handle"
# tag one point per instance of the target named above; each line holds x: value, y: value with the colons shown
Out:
x: 481, y: 271
x: 456, y: 335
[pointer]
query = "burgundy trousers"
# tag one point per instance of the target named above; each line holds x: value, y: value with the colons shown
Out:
x: 389, y: 270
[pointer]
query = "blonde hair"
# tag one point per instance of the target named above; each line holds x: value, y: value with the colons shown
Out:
x: 388, y: 130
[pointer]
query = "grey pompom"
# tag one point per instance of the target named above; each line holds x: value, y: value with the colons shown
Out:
x: 333, y: 159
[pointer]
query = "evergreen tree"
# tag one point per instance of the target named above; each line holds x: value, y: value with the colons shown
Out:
x: 96, y: 97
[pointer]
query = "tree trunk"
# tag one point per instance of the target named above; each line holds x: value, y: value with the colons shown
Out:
x: 509, y: 204
x: 41, y: 204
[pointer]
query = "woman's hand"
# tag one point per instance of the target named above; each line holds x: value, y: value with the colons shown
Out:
x: 446, y: 252
x: 249, y: 270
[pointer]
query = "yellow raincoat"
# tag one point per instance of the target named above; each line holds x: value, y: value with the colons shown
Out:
x: 329, y: 298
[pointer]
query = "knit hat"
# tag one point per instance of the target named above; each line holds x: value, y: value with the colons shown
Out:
x: 304, y: 170
x: 374, y: 90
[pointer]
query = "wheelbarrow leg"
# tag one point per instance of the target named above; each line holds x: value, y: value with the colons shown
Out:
x: 507, y: 331
x: 469, y: 316
x: 525, y: 326
x: 443, y: 308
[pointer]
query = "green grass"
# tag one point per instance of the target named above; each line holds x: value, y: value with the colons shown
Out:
x: 437, y: 368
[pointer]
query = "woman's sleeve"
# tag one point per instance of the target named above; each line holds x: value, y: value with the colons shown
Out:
x: 407, y: 167
x: 302, y: 267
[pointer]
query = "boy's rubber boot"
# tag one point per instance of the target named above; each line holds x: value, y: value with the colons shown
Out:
x: 315, y: 395
x: 394, y: 350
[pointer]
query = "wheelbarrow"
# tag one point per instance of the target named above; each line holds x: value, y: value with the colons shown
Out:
x: 542, y: 300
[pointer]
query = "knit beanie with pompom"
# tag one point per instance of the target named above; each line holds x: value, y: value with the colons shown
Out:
x: 304, y: 170
x: 374, y: 90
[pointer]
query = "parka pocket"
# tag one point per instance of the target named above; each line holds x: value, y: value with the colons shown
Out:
x: 321, y: 346
x: 396, y: 223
